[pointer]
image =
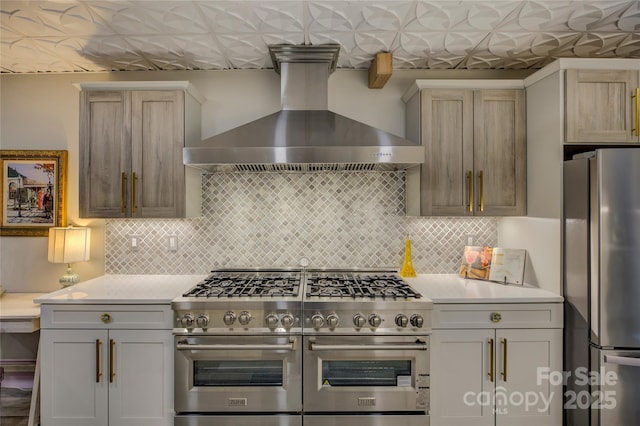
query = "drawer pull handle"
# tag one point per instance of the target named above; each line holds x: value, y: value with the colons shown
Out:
x: 98, y: 372
x: 636, y: 129
x: 123, y: 180
x: 504, y: 359
x: 106, y: 318
x: 112, y: 371
x: 470, y: 185
x: 492, y: 358
x: 496, y: 317
x: 481, y: 179
x: 134, y: 196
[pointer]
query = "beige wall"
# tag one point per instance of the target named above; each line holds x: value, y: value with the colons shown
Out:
x: 41, y: 112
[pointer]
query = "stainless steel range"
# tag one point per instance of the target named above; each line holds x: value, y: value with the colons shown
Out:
x: 366, y: 350
x: 243, y: 336
x: 238, y: 350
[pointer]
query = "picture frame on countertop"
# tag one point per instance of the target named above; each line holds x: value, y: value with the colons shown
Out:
x: 497, y: 264
x: 34, y: 185
x: 507, y: 266
x: 476, y: 262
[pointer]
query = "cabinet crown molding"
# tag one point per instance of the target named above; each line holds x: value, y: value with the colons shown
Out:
x: 582, y: 63
x: 185, y: 86
x: 471, y: 84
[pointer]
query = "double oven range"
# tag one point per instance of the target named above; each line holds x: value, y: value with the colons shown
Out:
x: 290, y: 347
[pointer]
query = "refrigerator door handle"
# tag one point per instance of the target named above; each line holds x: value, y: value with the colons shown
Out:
x: 622, y: 360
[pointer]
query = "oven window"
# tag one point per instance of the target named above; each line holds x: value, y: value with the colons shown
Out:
x: 366, y: 373
x: 238, y: 373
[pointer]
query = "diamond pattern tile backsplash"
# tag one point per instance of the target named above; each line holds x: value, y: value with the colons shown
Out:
x: 335, y: 219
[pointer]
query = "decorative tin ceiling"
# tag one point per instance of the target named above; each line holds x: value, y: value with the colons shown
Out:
x: 93, y: 35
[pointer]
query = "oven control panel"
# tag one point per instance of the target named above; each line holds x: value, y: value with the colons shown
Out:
x: 238, y: 320
x: 330, y: 320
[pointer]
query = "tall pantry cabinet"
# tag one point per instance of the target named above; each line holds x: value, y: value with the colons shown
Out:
x: 578, y: 105
x: 131, y: 140
x: 473, y: 132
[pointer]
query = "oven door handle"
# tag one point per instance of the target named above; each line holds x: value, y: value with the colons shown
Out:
x: 291, y: 346
x: 419, y: 346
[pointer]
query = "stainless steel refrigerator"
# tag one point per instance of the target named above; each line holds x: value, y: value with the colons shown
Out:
x: 602, y: 288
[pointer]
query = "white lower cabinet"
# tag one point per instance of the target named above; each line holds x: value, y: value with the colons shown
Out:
x: 114, y: 377
x: 497, y: 377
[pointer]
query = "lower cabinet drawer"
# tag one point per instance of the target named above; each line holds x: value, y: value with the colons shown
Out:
x: 526, y: 315
x: 159, y: 317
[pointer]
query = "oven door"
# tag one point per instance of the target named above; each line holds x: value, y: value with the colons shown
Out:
x: 237, y: 374
x: 366, y: 374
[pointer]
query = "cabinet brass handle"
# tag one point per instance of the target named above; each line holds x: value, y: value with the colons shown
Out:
x: 637, y: 116
x: 112, y: 373
x: 98, y: 372
x: 134, y: 202
x: 470, y: 183
x: 492, y: 358
x: 496, y: 317
x: 481, y: 179
x: 106, y: 318
x: 123, y: 189
x: 504, y: 359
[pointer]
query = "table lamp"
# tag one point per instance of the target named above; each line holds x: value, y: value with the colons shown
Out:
x: 67, y: 245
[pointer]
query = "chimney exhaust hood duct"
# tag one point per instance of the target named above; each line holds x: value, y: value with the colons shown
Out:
x: 304, y: 135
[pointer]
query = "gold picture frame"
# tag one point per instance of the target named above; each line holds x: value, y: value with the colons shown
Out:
x: 34, y: 185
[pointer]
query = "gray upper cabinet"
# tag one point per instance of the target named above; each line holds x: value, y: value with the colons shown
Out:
x: 131, y: 153
x: 602, y: 106
x: 475, y: 159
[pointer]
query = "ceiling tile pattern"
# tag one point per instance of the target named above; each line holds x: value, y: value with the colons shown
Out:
x: 99, y: 35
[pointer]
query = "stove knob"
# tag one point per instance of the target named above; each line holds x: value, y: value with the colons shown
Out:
x: 244, y: 318
x: 287, y: 320
x: 202, y: 321
x: 272, y: 321
x: 417, y: 320
x: 402, y: 320
x: 332, y: 320
x: 317, y: 320
x: 375, y: 320
x: 187, y: 321
x: 359, y: 320
x: 229, y: 318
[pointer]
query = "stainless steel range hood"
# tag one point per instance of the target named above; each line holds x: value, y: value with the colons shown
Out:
x: 304, y: 135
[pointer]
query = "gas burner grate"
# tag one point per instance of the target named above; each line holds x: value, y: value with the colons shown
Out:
x: 222, y: 284
x: 356, y: 285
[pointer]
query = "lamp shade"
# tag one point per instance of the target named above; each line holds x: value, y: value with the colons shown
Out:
x: 67, y: 245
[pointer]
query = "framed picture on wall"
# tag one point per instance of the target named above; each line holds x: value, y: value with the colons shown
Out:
x: 33, y: 191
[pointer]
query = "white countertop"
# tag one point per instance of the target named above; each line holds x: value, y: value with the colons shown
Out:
x: 159, y: 289
x: 450, y: 288
x: 15, y: 306
x: 18, y: 313
x: 124, y: 289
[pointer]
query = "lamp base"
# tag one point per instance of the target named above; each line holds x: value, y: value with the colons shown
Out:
x: 70, y: 278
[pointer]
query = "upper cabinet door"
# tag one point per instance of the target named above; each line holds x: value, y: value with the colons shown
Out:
x: 131, y: 145
x: 105, y: 154
x: 600, y: 106
x: 157, y: 139
x: 447, y: 134
x: 500, y: 153
x: 475, y: 154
